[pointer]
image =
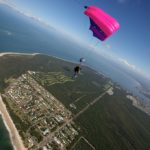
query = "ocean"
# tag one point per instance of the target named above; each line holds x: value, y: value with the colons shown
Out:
x: 21, y: 34
x: 5, y: 143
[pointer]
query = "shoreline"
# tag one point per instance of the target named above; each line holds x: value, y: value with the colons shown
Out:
x: 15, y: 53
x: 7, y: 128
x: 66, y: 60
x: 33, y: 54
x: 15, y: 138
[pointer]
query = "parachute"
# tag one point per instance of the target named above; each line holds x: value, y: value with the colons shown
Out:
x: 82, y: 60
x: 102, y: 24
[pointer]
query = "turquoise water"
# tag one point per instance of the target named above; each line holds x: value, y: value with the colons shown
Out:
x: 5, y: 143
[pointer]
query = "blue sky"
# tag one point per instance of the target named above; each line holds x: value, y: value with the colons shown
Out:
x: 129, y: 46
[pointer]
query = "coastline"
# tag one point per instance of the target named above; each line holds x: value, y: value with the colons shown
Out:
x: 136, y: 103
x: 13, y: 53
x: 15, y: 138
x: 7, y: 128
x: 33, y: 54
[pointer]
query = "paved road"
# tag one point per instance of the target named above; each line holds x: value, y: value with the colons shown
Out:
x: 90, y: 104
x: 82, y: 137
x: 51, y: 135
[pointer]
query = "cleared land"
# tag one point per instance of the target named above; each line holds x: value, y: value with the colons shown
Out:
x: 113, y: 123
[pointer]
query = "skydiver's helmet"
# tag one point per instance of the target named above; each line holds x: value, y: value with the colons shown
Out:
x: 82, y: 60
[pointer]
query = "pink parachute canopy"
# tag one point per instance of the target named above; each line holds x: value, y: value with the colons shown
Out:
x: 102, y: 24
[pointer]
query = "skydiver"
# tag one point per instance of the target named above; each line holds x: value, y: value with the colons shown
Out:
x: 76, y: 71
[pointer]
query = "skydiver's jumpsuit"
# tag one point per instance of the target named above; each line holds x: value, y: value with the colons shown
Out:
x: 76, y: 71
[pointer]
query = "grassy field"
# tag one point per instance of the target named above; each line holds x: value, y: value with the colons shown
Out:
x: 15, y: 65
x: 69, y: 92
x: 114, y: 124
x: 51, y: 78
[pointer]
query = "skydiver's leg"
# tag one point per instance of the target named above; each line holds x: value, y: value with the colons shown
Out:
x: 75, y: 75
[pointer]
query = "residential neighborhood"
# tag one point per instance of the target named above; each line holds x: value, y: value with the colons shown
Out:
x: 48, y: 118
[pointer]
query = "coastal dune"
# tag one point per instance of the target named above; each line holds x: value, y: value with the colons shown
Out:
x: 14, y: 135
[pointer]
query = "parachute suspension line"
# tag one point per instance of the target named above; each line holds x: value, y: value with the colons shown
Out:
x: 97, y: 42
x: 95, y: 45
x: 103, y: 46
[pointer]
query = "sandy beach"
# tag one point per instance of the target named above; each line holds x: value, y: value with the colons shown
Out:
x: 13, y: 53
x: 33, y: 54
x: 14, y: 135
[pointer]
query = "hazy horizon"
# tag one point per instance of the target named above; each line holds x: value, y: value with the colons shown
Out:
x: 19, y: 33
